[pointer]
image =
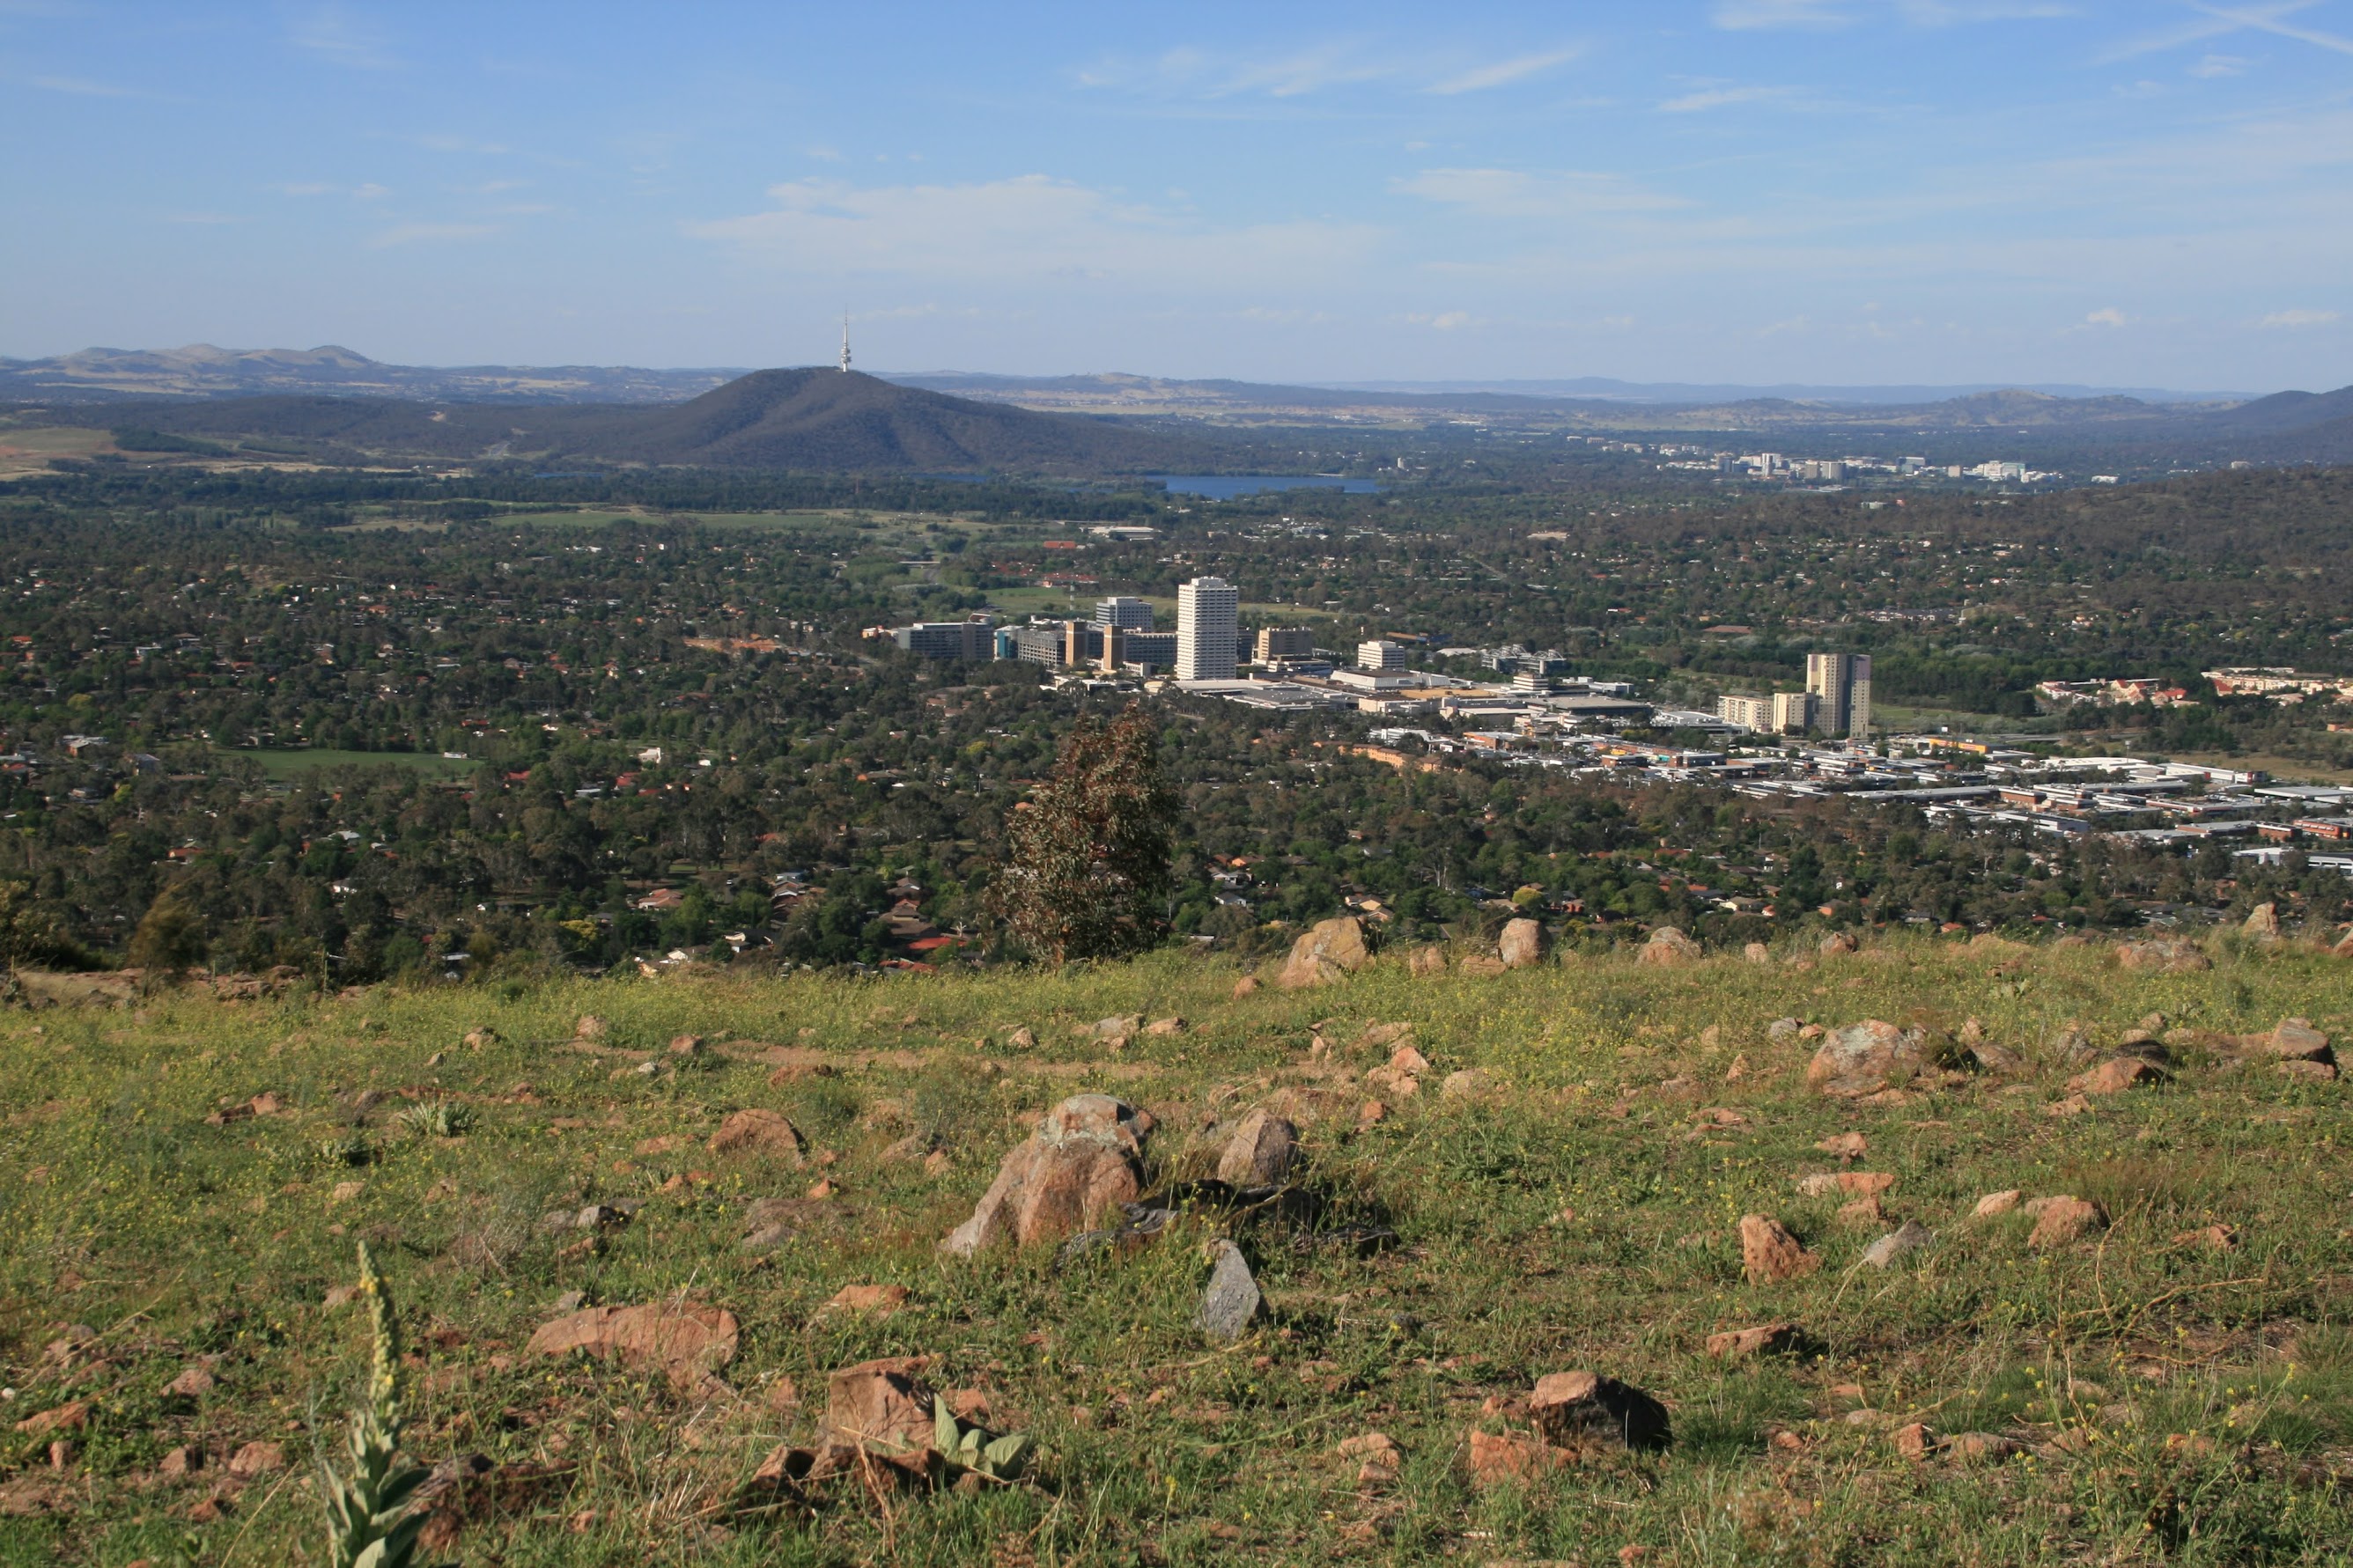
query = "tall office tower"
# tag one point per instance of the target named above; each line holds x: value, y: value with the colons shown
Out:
x: 1381, y: 654
x: 1841, y: 686
x: 1208, y: 629
x: 1285, y: 642
x: 1128, y: 615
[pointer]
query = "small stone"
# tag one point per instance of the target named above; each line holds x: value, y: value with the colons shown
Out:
x: 1861, y: 1212
x: 2310, y: 1072
x: 481, y: 1038
x: 2115, y: 1075
x: 1233, y: 1300
x: 2294, y: 1040
x: 1470, y: 1083
x: 1909, y: 1237
x: 1756, y: 952
x: 344, y: 1295
x: 1372, y: 1113
x: 1848, y: 1184
x: 1164, y: 1029
x: 190, y: 1383
x: 1247, y: 985
x: 1510, y: 1458
x: 1379, y: 1458
x: 345, y: 1192
x: 2262, y: 924
x: 2066, y: 1219
x: 1998, y: 1202
x: 1582, y: 1408
x: 875, y: 1300
x: 70, y: 1416
x: 1426, y: 960
x: 686, y: 1045
x: 1845, y: 1145
x: 181, y: 1462
x: 1765, y: 1339
x: 1838, y: 942
x: 763, y: 1133
x: 1781, y: 1029
x: 588, y: 1026
x: 2216, y: 1237
x: 1914, y: 1441
x: 257, y: 1459
x: 1260, y: 1152
x: 1982, y: 1448
x: 1769, y: 1254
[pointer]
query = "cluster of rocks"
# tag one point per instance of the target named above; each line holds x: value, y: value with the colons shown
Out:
x: 1567, y: 1417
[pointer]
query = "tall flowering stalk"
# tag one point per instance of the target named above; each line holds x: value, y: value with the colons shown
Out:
x: 370, y: 1523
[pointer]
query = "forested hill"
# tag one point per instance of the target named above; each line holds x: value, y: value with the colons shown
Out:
x: 806, y: 419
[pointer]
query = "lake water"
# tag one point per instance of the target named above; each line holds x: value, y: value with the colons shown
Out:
x: 1226, y: 486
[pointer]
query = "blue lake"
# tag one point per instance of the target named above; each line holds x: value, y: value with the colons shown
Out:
x: 1226, y: 486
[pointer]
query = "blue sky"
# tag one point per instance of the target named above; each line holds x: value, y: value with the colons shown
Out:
x: 2112, y: 192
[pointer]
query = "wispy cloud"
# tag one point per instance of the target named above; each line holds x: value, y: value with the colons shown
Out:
x: 1756, y: 16
x: 1297, y: 72
x: 2214, y: 65
x: 2110, y: 317
x: 429, y: 234
x: 82, y: 87
x: 1748, y: 15
x: 1544, y: 194
x: 1729, y: 96
x: 202, y: 219
x: 2301, y: 318
x: 1027, y: 230
x: 335, y: 32
x: 2275, y: 17
x: 1502, y: 73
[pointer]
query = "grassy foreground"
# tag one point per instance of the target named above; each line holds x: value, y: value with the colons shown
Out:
x: 2176, y: 1400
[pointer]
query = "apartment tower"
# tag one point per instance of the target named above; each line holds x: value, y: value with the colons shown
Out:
x: 1208, y: 629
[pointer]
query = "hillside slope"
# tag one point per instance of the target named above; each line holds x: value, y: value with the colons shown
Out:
x: 806, y: 419
x: 1494, y: 1180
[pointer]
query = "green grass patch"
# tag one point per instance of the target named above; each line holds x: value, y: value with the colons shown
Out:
x: 2178, y: 1402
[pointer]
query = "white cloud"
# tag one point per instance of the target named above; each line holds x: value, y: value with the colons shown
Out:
x: 333, y: 32
x: 2301, y: 318
x: 371, y: 192
x: 2273, y: 17
x: 1444, y: 320
x: 2110, y: 317
x: 82, y: 87
x: 1522, y: 193
x: 1744, y: 15
x: 429, y: 233
x: 307, y: 188
x: 2219, y: 66
x: 1501, y: 72
x: 1708, y: 98
x: 1028, y: 229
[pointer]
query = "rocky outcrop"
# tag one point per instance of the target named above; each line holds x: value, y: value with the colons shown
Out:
x: 1667, y: 948
x: 1085, y: 1160
x: 1328, y: 951
x: 1864, y: 1058
x: 1522, y: 944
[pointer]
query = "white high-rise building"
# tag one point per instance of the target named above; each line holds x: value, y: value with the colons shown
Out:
x: 1840, y: 684
x: 1127, y: 614
x: 1208, y: 629
x: 1381, y: 654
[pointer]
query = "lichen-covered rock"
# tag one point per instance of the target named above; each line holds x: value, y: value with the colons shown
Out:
x: 1668, y: 948
x: 1522, y: 943
x: 1260, y: 1152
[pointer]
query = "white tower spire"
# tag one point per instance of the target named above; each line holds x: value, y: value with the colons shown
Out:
x: 845, y: 341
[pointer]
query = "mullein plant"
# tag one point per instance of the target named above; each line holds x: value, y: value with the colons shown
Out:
x: 370, y: 1521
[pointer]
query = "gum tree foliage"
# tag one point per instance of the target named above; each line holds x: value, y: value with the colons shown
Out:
x: 1087, y: 873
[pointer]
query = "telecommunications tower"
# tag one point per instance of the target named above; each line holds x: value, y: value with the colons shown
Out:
x: 845, y: 342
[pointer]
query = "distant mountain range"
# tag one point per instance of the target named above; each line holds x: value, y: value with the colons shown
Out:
x: 950, y: 421
x: 811, y: 420
x: 201, y: 370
